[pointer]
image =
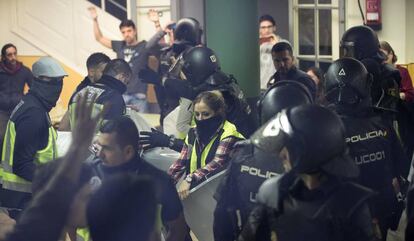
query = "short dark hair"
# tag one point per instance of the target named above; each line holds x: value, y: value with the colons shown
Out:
x: 4, y: 48
x: 213, y: 100
x: 267, y: 17
x: 45, y: 172
x: 117, y: 67
x: 127, y: 23
x: 125, y: 129
x: 282, y: 46
x: 122, y: 209
x: 95, y: 59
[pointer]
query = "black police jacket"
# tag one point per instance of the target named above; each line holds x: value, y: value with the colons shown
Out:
x: 385, y: 86
x: 334, y: 211
x: 377, y: 151
x: 248, y: 169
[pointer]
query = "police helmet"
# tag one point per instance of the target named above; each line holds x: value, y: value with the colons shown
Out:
x: 282, y: 95
x: 198, y: 64
x: 360, y: 42
x: 314, y: 137
x: 347, y: 82
x: 187, y: 32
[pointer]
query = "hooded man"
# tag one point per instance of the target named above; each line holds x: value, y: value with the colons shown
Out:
x: 30, y: 139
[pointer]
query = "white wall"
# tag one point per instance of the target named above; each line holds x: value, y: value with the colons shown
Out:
x: 145, y: 27
x: 397, y: 22
x: 409, y: 31
x: 59, y: 28
x: 7, y: 36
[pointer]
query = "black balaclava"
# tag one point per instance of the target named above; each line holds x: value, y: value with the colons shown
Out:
x: 47, y: 91
x: 207, y: 128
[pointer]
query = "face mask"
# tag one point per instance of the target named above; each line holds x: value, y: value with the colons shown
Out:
x: 207, y: 128
x: 48, y: 92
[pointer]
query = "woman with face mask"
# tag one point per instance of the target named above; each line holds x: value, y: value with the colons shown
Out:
x: 207, y: 145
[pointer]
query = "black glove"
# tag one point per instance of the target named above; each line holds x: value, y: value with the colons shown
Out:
x: 149, y: 76
x: 180, y: 88
x: 153, y: 139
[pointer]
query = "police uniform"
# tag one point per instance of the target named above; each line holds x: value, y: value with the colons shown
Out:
x: 375, y: 148
x: 201, y: 68
x: 250, y: 166
x: 108, y: 90
x: 248, y: 169
x: 332, y: 208
x: 288, y: 211
x: 30, y: 140
x: 372, y: 142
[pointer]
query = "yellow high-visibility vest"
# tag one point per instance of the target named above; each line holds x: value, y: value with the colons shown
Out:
x: 199, y: 160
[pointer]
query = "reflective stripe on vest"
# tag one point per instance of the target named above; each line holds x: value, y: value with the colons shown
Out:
x: 82, y: 234
x: 12, y: 181
x: 95, y: 110
x: 228, y: 130
x: 92, y: 92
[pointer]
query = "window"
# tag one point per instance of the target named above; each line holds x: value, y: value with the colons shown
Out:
x: 117, y: 8
x: 316, y: 32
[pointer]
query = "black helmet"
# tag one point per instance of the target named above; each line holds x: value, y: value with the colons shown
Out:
x: 187, y: 32
x: 314, y: 137
x: 282, y: 95
x: 360, y: 42
x: 347, y: 82
x: 198, y: 64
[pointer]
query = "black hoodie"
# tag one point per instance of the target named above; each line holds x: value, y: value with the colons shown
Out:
x: 109, y: 91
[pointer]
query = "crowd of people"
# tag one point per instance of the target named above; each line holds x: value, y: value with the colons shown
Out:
x: 323, y: 156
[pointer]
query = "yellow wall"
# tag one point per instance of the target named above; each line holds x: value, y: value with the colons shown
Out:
x: 69, y: 85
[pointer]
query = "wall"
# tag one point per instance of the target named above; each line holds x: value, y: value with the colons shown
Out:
x: 193, y: 9
x: 409, y: 50
x: 145, y: 27
x: 397, y: 22
x: 59, y: 28
x: 7, y: 36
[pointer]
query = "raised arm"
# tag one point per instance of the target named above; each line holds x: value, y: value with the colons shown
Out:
x: 97, y: 30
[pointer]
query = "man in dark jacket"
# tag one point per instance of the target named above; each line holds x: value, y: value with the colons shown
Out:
x: 30, y: 139
x: 118, y: 154
x: 108, y: 89
x: 13, y: 76
x: 95, y: 65
x: 283, y: 60
x: 47, y: 213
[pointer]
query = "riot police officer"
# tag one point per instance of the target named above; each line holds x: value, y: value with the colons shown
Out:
x: 200, y: 71
x: 312, y: 201
x: 187, y: 34
x: 361, y: 43
x: 250, y: 166
x: 373, y: 143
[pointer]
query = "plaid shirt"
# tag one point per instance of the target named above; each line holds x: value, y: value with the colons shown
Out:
x: 221, y: 158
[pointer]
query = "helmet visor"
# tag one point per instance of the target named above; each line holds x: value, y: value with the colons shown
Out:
x: 273, y: 135
x: 347, y: 50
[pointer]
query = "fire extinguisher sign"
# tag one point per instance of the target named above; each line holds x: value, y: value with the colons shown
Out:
x: 373, y: 14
